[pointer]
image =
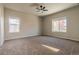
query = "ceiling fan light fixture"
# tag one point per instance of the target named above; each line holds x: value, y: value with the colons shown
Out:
x: 41, y: 9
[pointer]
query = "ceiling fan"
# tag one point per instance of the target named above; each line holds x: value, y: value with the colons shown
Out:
x: 41, y: 8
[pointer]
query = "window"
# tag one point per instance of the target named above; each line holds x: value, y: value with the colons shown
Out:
x: 14, y: 25
x: 59, y: 25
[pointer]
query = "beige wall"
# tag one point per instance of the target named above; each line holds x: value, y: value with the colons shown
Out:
x: 30, y: 24
x: 72, y: 15
x: 1, y: 24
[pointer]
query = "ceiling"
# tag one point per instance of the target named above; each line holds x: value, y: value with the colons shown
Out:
x: 31, y: 7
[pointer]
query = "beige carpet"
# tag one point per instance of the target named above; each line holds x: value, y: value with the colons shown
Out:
x: 39, y: 45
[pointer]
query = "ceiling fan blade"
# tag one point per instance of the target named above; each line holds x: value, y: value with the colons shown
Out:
x: 45, y: 10
x: 37, y: 8
x: 38, y: 11
x: 43, y: 7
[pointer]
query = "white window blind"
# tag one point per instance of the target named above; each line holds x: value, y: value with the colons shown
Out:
x: 59, y: 25
x: 14, y: 25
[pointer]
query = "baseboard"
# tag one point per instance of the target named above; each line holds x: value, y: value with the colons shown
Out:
x: 76, y: 40
x: 21, y: 37
x: 45, y: 35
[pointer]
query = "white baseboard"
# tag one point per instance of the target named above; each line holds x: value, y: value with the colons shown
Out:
x: 64, y: 38
x: 20, y: 37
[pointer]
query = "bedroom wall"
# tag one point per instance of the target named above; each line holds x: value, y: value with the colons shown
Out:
x: 72, y: 15
x: 30, y: 25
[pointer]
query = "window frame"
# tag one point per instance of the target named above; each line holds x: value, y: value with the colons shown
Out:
x: 58, y: 19
x: 17, y: 24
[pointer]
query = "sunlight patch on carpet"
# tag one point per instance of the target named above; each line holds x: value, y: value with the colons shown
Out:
x: 51, y: 48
